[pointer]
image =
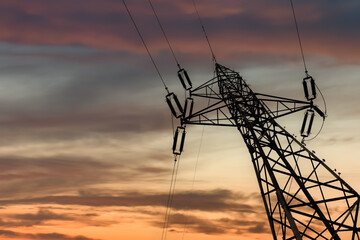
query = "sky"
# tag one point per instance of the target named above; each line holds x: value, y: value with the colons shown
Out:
x: 85, y: 151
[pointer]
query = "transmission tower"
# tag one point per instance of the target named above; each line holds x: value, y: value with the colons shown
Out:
x: 303, y: 197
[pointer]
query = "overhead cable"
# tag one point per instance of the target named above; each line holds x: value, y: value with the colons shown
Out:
x: 204, y: 31
x: 168, y: 200
x: 163, y: 32
x: 145, y: 45
x: 306, y: 70
x: 170, y: 197
x: 299, y: 38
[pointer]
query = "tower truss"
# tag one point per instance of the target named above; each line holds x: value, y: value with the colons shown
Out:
x: 303, y: 197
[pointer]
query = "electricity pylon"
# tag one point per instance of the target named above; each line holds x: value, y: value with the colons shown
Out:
x: 303, y: 197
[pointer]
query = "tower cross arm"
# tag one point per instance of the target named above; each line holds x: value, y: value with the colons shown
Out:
x: 281, y: 106
x: 215, y: 114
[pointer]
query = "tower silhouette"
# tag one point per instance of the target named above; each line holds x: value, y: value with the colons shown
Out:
x: 303, y: 197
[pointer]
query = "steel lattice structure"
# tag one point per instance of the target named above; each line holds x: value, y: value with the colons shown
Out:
x: 303, y: 197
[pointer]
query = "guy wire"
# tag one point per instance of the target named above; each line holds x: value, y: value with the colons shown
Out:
x: 146, y: 47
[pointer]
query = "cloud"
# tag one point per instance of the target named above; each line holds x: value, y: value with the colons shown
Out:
x: 71, y: 90
x: 107, y: 120
x: 49, y: 98
x: 41, y: 236
x: 185, y: 204
x: 58, y: 174
x: 338, y: 139
x: 50, y: 175
x: 259, y: 27
x: 46, y: 216
x: 217, y: 200
x: 41, y: 215
x: 29, y: 219
x: 178, y: 221
x: 259, y: 228
x: 192, y: 223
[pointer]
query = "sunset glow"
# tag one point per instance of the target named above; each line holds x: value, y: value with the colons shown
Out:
x: 86, y: 138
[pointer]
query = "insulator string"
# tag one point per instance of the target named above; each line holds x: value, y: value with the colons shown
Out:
x: 145, y: 45
x: 306, y: 70
x: 163, y: 32
x: 204, y: 31
x: 299, y: 38
x: 323, y: 121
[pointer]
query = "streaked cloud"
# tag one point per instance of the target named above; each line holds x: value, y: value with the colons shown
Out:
x: 42, y: 236
x: 29, y: 219
x: 238, y: 27
x: 185, y: 203
x: 215, y: 200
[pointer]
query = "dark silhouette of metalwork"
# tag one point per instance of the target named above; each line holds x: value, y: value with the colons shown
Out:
x: 303, y: 197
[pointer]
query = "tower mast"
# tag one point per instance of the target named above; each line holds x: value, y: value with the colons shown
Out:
x: 302, y: 196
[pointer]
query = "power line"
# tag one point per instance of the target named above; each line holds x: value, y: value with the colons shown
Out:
x: 146, y: 47
x: 170, y: 197
x: 165, y: 36
x: 196, y: 167
x: 204, y: 31
x: 168, y: 200
x: 176, y: 161
x: 298, y: 34
x: 306, y: 71
x: 194, y: 177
